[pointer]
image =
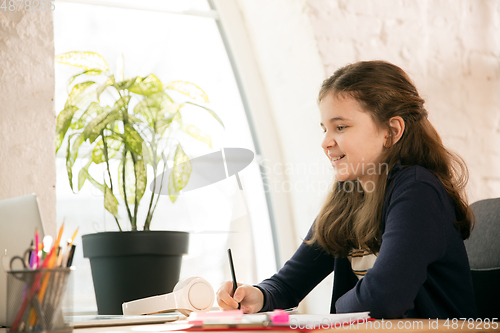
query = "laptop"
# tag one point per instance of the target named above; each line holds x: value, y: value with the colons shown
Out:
x: 19, y: 217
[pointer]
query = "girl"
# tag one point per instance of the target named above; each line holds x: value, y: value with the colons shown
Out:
x: 392, y: 226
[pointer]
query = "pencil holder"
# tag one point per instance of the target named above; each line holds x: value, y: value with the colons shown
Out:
x: 34, y: 300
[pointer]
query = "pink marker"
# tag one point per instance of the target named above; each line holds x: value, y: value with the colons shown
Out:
x: 279, y: 317
x: 37, y: 242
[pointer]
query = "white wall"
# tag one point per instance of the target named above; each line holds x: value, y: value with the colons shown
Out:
x: 27, y: 117
x: 451, y: 49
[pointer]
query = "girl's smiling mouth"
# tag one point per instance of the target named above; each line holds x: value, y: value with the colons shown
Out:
x: 335, y: 159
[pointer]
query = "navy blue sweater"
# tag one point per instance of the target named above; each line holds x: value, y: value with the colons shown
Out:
x: 421, y: 271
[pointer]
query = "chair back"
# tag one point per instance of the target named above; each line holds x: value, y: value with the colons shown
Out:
x: 483, y: 250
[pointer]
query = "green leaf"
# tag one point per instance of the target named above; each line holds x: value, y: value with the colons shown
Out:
x: 63, y: 121
x: 126, y: 84
x: 94, y: 128
x: 92, y: 131
x: 89, y: 72
x: 79, y: 124
x: 180, y: 174
x: 96, y: 109
x: 172, y: 108
x: 147, y: 154
x: 76, y: 96
x: 130, y: 179
x: 98, y: 153
x: 154, y: 106
x: 93, y: 109
x: 133, y: 119
x: 196, y: 133
x: 109, y: 82
x: 133, y: 139
x: 147, y: 86
x: 178, y: 117
x: 110, y: 202
x: 142, y: 178
x: 162, y: 125
x: 72, y: 154
x: 69, y: 170
x: 189, y: 89
x: 76, y: 146
x: 85, y: 60
x: 81, y: 179
x: 121, y: 103
x: 211, y: 112
x: 113, y: 143
x: 84, y: 175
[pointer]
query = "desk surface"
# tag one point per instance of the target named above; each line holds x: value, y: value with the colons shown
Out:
x: 393, y: 325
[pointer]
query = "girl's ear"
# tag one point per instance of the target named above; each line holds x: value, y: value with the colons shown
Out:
x: 397, y: 126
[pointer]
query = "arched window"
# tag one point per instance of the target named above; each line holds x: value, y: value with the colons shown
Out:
x: 175, y: 40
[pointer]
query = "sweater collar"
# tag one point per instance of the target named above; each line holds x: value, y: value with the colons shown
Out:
x: 395, y: 169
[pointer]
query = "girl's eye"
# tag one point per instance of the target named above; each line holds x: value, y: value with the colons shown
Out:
x: 340, y: 128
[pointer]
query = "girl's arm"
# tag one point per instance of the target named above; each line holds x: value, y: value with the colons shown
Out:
x: 307, y: 267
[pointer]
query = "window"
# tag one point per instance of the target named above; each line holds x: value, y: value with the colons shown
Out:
x: 175, y: 40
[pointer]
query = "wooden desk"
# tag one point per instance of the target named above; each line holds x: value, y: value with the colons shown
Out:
x: 377, y: 326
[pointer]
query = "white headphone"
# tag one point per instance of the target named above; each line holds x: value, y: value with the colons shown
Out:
x: 189, y: 295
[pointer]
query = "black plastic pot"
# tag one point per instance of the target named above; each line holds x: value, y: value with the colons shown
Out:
x: 133, y: 264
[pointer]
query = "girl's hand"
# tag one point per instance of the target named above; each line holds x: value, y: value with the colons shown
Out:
x: 250, y: 297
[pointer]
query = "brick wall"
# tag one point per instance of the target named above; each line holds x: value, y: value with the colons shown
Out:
x: 27, y: 117
x: 450, y: 48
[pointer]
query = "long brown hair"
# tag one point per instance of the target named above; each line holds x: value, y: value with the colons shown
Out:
x: 350, y: 217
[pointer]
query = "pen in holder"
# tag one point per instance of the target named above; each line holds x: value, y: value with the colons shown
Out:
x: 34, y: 300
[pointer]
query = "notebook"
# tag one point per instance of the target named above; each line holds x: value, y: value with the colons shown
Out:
x: 118, y: 320
x: 19, y: 217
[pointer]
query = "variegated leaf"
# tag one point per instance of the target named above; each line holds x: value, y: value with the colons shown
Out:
x: 198, y: 134
x: 189, y: 89
x: 85, y: 60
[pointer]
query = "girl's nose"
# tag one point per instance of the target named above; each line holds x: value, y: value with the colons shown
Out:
x: 328, y: 142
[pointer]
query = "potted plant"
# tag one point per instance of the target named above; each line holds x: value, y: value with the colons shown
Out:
x: 126, y: 125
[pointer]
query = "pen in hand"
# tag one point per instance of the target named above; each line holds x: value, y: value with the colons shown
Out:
x: 233, y: 274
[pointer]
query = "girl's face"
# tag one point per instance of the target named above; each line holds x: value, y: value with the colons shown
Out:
x: 353, y: 142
